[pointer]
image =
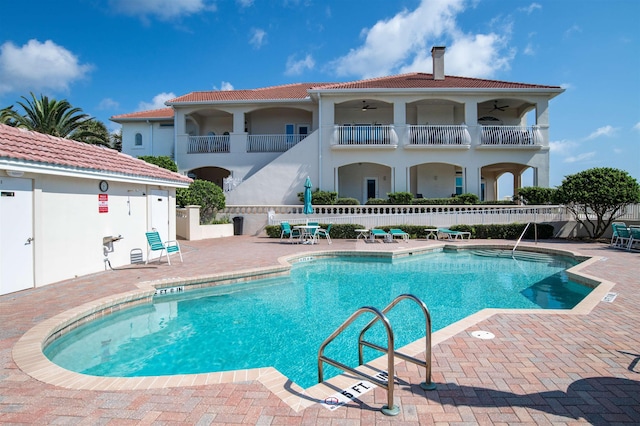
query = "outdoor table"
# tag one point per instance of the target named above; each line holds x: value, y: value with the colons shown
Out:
x: 432, y: 232
x: 364, y: 233
x: 308, y: 233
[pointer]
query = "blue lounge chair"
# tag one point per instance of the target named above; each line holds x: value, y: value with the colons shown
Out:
x: 634, y: 239
x: 321, y: 232
x: 399, y: 233
x: 156, y: 244
x: 623, y: 236
x: 292, y: 234
x: 386, y: 237
x: 454, y: 235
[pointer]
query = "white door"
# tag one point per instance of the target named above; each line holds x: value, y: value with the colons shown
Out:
x: 160, y: 213
x: 16, y: 234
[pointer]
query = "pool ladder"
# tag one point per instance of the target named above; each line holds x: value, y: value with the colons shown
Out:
x: 535, y: 226
x: 390, y: 409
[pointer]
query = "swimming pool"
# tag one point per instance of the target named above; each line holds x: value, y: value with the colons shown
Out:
x: 282, y: 322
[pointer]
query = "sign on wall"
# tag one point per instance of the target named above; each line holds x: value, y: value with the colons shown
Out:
x: 103, y: 203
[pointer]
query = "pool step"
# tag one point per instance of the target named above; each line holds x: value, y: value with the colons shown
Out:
x: 518, y: 255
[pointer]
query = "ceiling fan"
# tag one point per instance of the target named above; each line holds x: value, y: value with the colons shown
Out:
x: 366, y: 106
x: 499, y: 108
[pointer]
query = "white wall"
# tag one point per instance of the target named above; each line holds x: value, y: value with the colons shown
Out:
x: 69, y: 230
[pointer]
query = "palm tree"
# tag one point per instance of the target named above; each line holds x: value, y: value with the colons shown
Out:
x: 93, y: 132
x: 56, y: 118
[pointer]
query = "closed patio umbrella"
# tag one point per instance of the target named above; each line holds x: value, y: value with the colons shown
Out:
x: 308, y: 208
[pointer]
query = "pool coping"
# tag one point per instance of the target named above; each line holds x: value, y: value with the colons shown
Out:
x: 29, y: 357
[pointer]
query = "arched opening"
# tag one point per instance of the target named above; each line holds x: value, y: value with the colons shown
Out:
x: 363, y: 181
x: 212, y: 174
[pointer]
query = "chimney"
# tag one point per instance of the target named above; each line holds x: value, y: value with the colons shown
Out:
x: 437, y: 52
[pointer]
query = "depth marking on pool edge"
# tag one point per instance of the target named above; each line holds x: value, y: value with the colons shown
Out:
x: 169, y: 290
x: 351, y: 393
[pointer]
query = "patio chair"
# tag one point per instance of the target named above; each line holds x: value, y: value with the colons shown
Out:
x: 614, y: 232
x: 623, y: 236
x: 321, y: 232
x: 156, y: 244
x: 399, y: 233
x: 634, y: 239
x: 293, y: 235
x: 453, y: 235
x: 386, y: 237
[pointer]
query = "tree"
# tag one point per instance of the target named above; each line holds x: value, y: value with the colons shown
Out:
x: 92, y: 132
x: 535, y: 195
x: 597, y: 197
x: 116, y: 140
x: 205, y: 194
x: 55, y: 118
x: 161, y: 161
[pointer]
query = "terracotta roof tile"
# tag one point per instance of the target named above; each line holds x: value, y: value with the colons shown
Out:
x: 287, y: 91
x: 37, y: 148
x: 154, y: 113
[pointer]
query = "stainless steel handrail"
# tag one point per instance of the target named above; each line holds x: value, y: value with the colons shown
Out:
x: 522, y: 235
x: 390, y: 409
x: 427, y: 384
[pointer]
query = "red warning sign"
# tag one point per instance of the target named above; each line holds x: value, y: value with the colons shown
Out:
x: 103, y: 203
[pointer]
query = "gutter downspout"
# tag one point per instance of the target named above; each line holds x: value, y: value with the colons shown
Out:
x: 150, y: 136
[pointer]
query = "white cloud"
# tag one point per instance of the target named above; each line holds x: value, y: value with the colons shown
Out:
x: 257, y: 37
x: 297, y: 67
x: 164, y: 10
x: 637, y: 126
x: 403, y: 44
x: 531, y: 8
x: 572, y: 30
x: 38, y: 66
x: 108, y: 103
x: 157, y: 102
x: 580, y: 158
x: 602, y: 131
x: 245, y: 3
x: 562, y: 147
x: 225, y: 86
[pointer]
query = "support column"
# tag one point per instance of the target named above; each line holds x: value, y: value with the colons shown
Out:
x: 471, y: 178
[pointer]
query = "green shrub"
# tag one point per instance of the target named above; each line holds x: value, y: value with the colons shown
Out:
x: 321, y: 198
x: 161, y: 161
x: 205, y: 194
x: 467, y: 198
x: 348, y: 201
x: 403, y: 198
x: 375, y: 201
x: 535, y: 195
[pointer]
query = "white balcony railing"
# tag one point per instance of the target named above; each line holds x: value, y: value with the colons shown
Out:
x: 365, y: 135
x: 438, y: 135
x: 511, y: 135
x: 208, y: 144
x: 272, y: 143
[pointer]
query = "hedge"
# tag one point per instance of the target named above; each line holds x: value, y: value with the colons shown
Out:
x: 510, y: 231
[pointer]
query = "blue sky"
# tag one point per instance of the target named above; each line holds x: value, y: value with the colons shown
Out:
x: 110, y: 57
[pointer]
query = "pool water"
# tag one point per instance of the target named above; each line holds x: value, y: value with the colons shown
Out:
x: 282, y: 322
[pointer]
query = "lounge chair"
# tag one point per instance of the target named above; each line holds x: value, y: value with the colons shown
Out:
x: 386, y: 237
x: 454, y: 235
x: 293, y: 235
x: 634, y: 239
x: 321, y: 232
x: 399, y: 233
x: 156, y: 244
x: 623, y: 236
x: 614, y: 232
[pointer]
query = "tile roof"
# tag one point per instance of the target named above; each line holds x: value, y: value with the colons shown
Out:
x: 35, y: 148
x: 287, y: 91
x: 301, y: 91
x: 153, y: 113
x: 420, y: 80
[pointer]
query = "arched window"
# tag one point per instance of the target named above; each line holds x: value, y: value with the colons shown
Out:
x: 138, y: 141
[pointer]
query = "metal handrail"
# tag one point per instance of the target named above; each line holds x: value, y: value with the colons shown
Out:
x: 427, y: 384
x: 390, y: 409
x: 522, y: 235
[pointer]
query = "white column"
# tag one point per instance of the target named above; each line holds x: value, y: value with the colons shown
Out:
x: 471, y: 120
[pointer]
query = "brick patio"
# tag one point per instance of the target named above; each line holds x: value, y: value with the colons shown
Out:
x: 579, y: 367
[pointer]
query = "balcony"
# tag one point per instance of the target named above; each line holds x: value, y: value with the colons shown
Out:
x: 511, y: 136
x: 272, y: 143
x: 208, y: 144
x: 364, y: 135
x: 438, y: 136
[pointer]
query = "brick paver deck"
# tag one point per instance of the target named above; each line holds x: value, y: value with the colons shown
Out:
x: 580, y: 367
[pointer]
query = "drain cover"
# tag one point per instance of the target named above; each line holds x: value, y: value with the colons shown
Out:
x: 485, y: 335
x: 610, y: 297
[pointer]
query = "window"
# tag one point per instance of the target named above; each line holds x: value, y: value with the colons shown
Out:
x: 138, y: 141
x: 459, y: 182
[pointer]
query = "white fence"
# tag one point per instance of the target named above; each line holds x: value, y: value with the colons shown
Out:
x: 370, y: 216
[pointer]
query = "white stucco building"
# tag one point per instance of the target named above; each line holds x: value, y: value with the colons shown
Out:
x: 433, y: 135
x: 67, y: 207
